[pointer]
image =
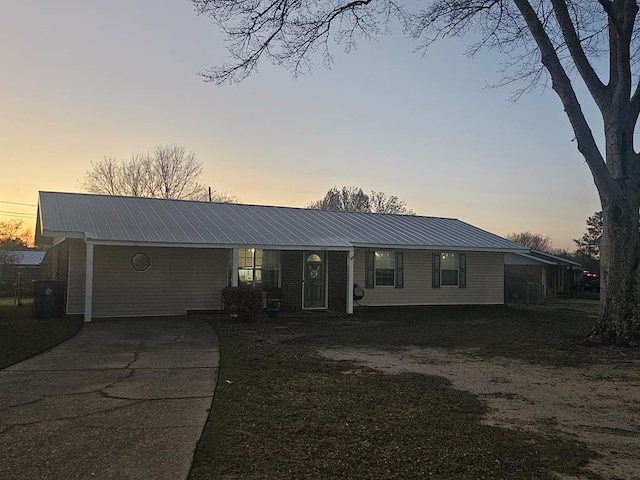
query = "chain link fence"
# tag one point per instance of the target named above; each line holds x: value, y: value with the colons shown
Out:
x: 527, y: 293
x: 18, y: 285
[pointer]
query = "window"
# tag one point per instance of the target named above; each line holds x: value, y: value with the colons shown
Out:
x: 259, y: 267
x: 449, y: 270
x: 449, y: 265
x: 384, y: 268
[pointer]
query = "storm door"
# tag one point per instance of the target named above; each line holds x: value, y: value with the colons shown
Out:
x: 314, y: 280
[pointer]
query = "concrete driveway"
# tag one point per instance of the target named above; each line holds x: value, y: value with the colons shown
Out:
x: 123, y: 399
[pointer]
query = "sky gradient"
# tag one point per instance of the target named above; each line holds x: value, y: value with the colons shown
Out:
x: 86, y: 79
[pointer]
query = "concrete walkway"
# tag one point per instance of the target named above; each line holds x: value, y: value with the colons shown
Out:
x: 124, y: 399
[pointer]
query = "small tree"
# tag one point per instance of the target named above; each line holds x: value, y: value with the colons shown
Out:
x: 169, y: 172
x: 588, y: 243
x: 353, y: 199
x: 13, y: 237
x: 535, y: 241
x: 7, y: 256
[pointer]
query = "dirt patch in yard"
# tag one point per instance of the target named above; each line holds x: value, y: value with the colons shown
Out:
x: 597, y: 404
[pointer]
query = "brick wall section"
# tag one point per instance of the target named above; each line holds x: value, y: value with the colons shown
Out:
x: 337, y: 264
x: 291, y: 262
x: 516, y: 278
x: 522, y: 273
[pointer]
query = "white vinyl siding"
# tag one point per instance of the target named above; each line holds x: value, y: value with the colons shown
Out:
x: 56, y: 266
x: 484, y: 281
x: 179, y: 279
x: 75, y: 290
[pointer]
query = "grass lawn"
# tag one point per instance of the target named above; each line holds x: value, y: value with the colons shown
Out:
x: 281, y: 411
x: 21, y: 336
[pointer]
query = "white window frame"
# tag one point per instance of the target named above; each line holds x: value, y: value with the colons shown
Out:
x: 461, y: 269
x: 389, y: 254
x: 254, y: 268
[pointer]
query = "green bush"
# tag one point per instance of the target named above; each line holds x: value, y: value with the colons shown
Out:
x: 243, y: 301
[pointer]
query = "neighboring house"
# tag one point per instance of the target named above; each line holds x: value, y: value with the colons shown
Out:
x: 555, y: 275
x: 128, y: 256
x: 19, y: 266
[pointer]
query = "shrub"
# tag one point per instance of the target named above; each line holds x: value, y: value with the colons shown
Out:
x: 243, y: 301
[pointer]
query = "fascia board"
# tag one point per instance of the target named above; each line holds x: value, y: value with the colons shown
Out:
x: 440, y: 248
x: 62, y: 234
x: 216, y: 245
x: 537, y: 259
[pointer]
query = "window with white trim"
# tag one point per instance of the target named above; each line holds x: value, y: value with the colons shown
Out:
x: 449, y: 270
x: 384, y: 268
x: 259, y: 267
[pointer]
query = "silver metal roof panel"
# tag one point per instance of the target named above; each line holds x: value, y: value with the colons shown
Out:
x: 23, y: 257
x: 104, y: 218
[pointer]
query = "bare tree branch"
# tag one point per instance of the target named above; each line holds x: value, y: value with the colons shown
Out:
x: 563, y: 87
x: 535, y: 241
x: 169, y: 172
x: 289, y: 32
x: 591, y: 79
x: 353, y: 199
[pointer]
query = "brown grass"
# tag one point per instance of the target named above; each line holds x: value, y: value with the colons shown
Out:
x: 281, y: 411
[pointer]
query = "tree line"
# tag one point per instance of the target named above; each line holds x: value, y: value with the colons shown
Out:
x: 587, y: 252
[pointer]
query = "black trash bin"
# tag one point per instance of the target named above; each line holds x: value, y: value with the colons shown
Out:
x: 48, y: 299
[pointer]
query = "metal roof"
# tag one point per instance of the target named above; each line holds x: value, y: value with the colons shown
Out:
x: 135, y: 220
x: 546, y: 258
x: 23, y: 257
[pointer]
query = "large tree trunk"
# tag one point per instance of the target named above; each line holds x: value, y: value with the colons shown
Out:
x: 619, y: 319
x: 619, y: 189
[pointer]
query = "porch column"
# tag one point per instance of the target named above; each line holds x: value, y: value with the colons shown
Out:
x: 350, y: 257
x: 234, y: 267
x: 88, y: 283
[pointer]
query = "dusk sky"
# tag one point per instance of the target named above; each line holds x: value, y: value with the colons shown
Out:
x: 86, y: 79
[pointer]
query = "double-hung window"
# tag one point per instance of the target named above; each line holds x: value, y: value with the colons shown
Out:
x: 259, y: 267
x: 449, y: 270
x: 384, y: 268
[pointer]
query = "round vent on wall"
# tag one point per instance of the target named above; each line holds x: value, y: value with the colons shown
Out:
x: 140, y: 262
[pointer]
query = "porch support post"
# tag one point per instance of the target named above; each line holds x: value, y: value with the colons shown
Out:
x: 350, y: 256
x: 234, y: 267
x: 88, y: 283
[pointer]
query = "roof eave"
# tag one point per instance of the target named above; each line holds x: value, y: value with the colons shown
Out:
x: 132, y: 243
x: 447, y: 248
x: 51, y: 234
x: 335, y: 247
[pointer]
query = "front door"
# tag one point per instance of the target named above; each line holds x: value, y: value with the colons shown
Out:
x: 314, y: 280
